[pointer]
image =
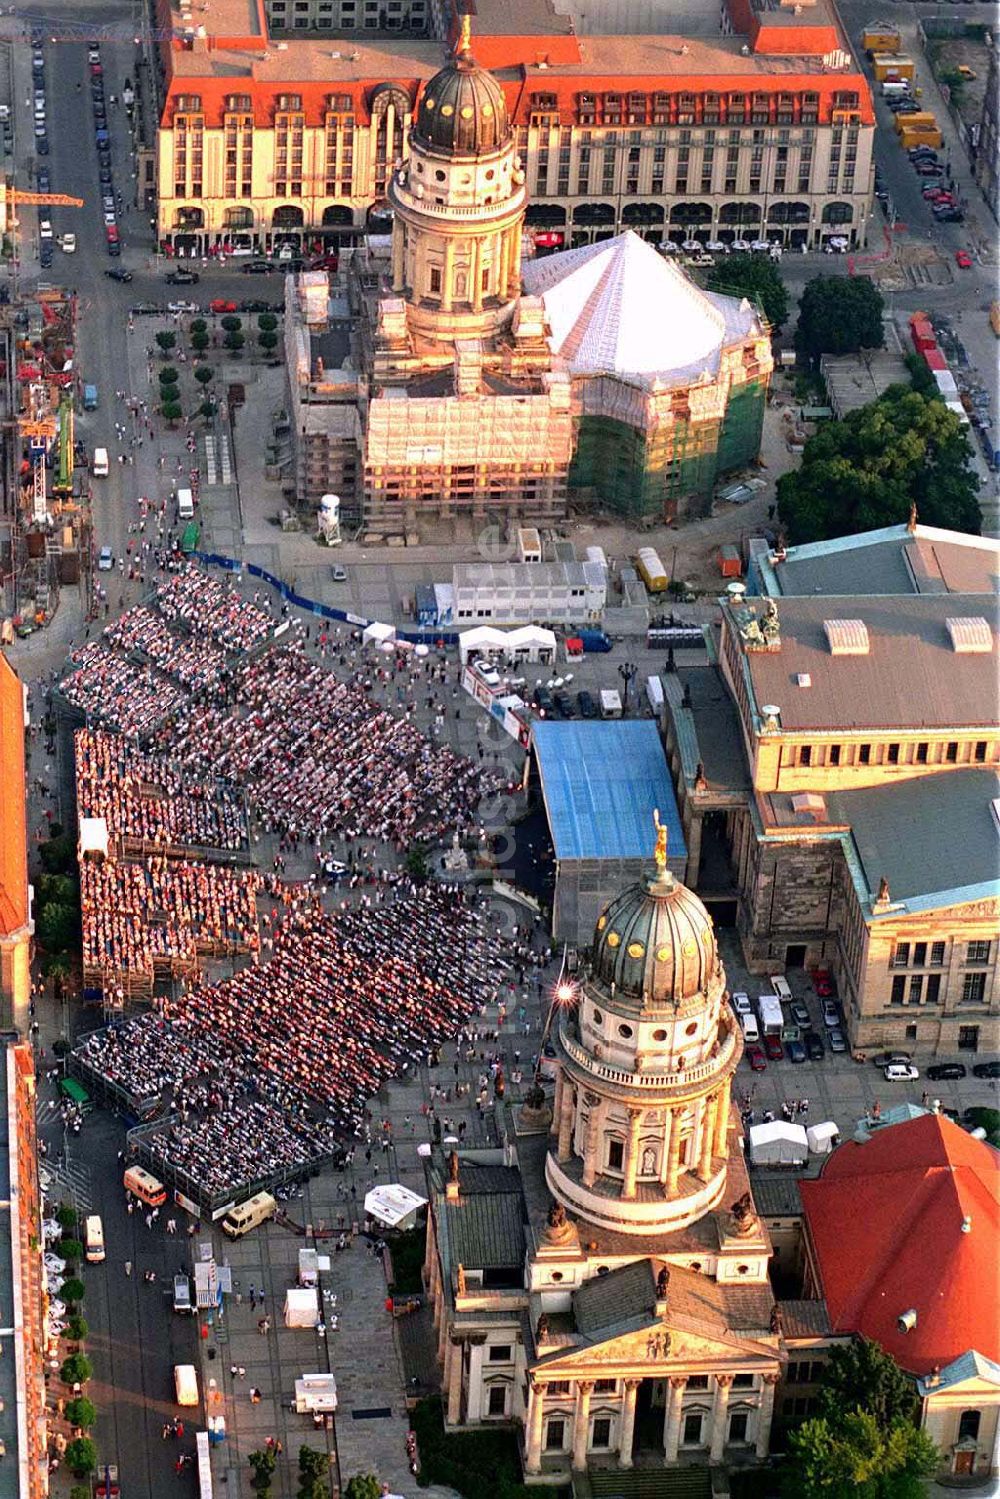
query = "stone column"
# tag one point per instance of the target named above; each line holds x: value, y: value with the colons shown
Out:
x: 627, y: 1436
x: 476, y: 276
x: 590, y: 1146
x: 720, y: 1409
x: 564, y: 1148
x: 707, y: 1139
x: 632, y: 1152
x: 669, y: 1124
x: 722, y: 1118
x: 674, y: 1164
x: 474, y: 1397
x: 672, y: 1423
x: 765, y: 1413
x: 581, y: 1422
x: 557, y: 1103
x: 513, y: 287
x: 533, y: 1439
x: 454, y: 1382
x: 448, y: 275
x: 504, y: 248
x: 397, y: 257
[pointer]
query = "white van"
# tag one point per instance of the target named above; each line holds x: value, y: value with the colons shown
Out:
x: 781, y: 987
x: 250, y: 1214
x: 186, y: 1384
x: 751, y: 1030
x: 185, y: 504
x: 93, y: 1240
x: 99, y: 467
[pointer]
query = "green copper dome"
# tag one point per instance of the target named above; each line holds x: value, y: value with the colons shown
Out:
x: 655, y: 943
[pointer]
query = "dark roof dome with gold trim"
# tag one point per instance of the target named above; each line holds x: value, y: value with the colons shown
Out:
x: 462, y: 110
x: 655, y: 942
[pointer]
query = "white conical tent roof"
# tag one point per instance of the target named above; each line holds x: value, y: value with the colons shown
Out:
x: 618, y: 307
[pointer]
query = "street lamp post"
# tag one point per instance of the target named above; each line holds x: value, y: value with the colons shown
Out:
x: 563, y: 995
x: 627, y: 671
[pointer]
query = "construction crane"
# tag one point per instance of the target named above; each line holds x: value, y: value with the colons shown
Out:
x: 14, y: 195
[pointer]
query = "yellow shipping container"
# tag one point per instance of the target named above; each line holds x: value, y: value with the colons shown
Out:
x: 911, y: 138
x: 880, y: 39
x: 921, y: 120
x: 887, y: 67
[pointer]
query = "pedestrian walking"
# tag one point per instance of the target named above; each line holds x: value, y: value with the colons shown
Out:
x: 128, y: 1267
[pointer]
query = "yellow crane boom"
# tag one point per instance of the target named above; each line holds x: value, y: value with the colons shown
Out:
x: 57, y: 200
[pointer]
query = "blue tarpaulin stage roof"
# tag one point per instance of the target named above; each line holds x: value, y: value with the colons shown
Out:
x: 600, y: 782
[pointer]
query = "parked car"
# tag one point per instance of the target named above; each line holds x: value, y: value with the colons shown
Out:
x: 986, y: 1069
x: 221, y: 304
x: 563, y: 705
x: 118, y: 273
x: 949, y: 216
x: 53, y: 1264
x: 183, y: 307
x: 338, y: 572
x: 941, y: 1072
x: 773, y: 1048
x: 182, y: 277
x: 814, y: 1046
x: 741, y: 1003
x: 796, y: 1051
x: 542, y: 698
x: 586, y: 705
x: 892, y: 1058
x: 253, y: 304
x: 822, y: 981
x: 837, y: 1039
x: 831, y: 1013
x: 963, y: 260
x: 257, y: 268
x: 45, y: 228
x: 900, y: 1073
x: 105, y: 561
x: 799, y: 1013
x: 756, y: 1058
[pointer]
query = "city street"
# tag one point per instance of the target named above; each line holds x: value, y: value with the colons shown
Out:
x: 135, y: 1338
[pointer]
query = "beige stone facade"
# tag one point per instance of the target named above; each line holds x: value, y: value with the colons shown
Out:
x: 617, y: 1309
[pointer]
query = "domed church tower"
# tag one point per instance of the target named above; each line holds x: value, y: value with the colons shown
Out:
x: 458, y: 205
x: 645, y: 1066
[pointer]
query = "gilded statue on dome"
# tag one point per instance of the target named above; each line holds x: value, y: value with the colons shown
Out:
x: 660, y: 851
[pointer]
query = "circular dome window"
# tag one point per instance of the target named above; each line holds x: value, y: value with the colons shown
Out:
x: 439, y: 176
x: 695, y: 1265
x: 635, y: 950
x: 447, y: 109
x: 487, y: 111
x: 692, y: 1029
x: 598, y: 1018
x: 659, y: 1035
x: 466, y: 111
x: 490, y: 175
x: 625, y: 1031
x: 428, y: 103
x: 742, y: 1269
x: 663, y: 954
x: 690, y: 947
x: 557, y: 1276
x: 602, y: 922
x: 613, y: 939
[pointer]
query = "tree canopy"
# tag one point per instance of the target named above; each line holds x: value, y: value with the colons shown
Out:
x: 861, y: 1376
x: 839, y: 315
x: 753, y: 276
x: 862, y: 1443
x: 857, y: 1457
x: 867, y: 471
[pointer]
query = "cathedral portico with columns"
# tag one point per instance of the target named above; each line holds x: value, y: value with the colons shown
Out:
x: 602, y: 1281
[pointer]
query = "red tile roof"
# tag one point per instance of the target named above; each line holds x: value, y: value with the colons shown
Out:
x: 885, y: 1220
x: 13, y: 810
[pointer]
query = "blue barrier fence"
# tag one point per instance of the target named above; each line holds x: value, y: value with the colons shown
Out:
x: 321, y: 611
